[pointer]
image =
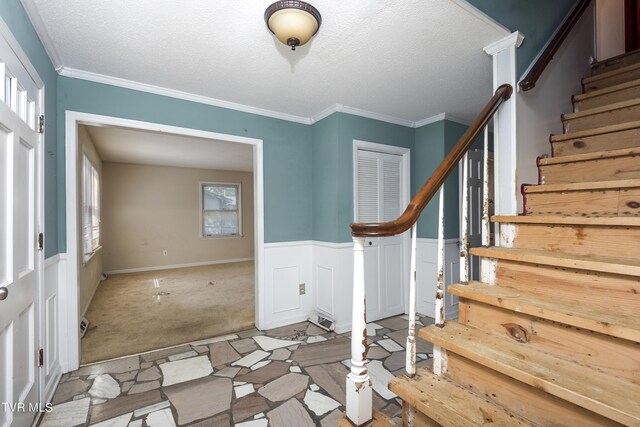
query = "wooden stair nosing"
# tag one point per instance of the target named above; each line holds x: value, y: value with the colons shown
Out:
x: 606, y: 90
x: 624, y: 266
x: 448, y: 403
x: 574, y: 383
x: 599, y: 110
x: 619, y: 57
x: 607, y: 221
x: 606, y: 74
x: 581, y: 186
x: 620, y: 127
x: 595, y: 155
x: 626, y: 327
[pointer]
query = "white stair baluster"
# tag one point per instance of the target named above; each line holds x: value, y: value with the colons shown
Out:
x: 411, y: 337
x: 359, y: 392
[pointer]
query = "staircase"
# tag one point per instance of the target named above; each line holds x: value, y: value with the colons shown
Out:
x: 554, y: 338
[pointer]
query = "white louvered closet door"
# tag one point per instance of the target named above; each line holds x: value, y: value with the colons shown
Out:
x: 379, y: 199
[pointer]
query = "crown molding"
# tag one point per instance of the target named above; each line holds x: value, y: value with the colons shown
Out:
x: 335, y: 108
x: 440, y: 117
x: 375, y: 116
x: 469, y: 8
x: 513, y: 39
x: 43, y: 34
x: 429, y: 120
x: 158, y: 90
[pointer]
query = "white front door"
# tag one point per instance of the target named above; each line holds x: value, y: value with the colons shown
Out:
x: 20, y: 260
x: 379, y: 199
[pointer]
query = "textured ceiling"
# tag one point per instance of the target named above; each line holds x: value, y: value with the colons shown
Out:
x: 409, y: 59
x: 122, y: 145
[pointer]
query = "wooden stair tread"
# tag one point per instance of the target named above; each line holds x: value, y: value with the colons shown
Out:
x: 614, y: 323
x: 617, y: 221
x: 580, y: 186
x: 598, y: 110
x: 449, y: 404
x: 606, y: 90
x: 607, y: 74
x: 596, y: 155
x: 601, y: 393
x: 626, y: 266
x: 596, y: 131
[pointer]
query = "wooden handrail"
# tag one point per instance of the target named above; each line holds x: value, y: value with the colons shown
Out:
x: 433, y: 184
x: 529, y: 81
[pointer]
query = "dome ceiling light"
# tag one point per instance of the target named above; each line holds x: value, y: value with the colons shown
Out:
x: 293, y: 22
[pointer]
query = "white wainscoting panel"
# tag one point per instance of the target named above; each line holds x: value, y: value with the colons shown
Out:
x: 333, y: 273
x: 54, y: 274
x: 427, y: 274
x: 287, y: 265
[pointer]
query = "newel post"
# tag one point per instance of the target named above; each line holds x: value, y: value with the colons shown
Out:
x: 504, y: 130
x: 359, y: 394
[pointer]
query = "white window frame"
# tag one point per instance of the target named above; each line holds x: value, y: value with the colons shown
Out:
x: 90, y: 240
x: 201, y: 186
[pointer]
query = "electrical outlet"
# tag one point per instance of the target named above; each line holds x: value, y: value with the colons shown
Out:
x: 164, y: 252
x: 302, y: 289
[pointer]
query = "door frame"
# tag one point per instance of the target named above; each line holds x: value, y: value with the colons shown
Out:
x: 405, y: 153
x: 70, y: 304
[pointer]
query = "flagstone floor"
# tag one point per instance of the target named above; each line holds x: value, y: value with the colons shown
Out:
x: 294, y: 375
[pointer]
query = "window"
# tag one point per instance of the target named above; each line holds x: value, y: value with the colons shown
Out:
x: 90, y: 209
x: 220, y: 209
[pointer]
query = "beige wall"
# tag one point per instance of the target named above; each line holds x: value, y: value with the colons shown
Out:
x: 89, y: 273
x: 149, y: 209
x: 609, y: 28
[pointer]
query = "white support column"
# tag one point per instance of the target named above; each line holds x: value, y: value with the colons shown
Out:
x: 359, y: 391
x: 411, y: 336
x: 504, y: 131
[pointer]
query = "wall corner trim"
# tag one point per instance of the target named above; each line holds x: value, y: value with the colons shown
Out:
x: 513, y: 39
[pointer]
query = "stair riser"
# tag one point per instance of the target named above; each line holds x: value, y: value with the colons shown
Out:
x: 606, y: 99
x: 611, y: 202
x: 580, y: 240
x: 605, y: 118
x: 615, y: 63
x: 419, y: 419
x: 621, y: 357
x: 607, y: 169
x: 529, y: 402
x: 616, y: 79
x: 591, y: 144
x: 587, y: 288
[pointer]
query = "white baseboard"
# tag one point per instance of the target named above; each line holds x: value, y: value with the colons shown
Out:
x: 285, y: 321
x: 171, y: 266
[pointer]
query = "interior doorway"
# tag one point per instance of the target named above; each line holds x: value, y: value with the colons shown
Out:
x: 177, y: 253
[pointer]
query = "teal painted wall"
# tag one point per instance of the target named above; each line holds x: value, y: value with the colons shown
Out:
x: 333, y: 168
x: 18, y: 22
x: 432, y: 143
x: 537, y: 20
x: 287, y: 146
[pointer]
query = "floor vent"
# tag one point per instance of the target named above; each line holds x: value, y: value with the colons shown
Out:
x: 322, y: 320
x: 84, y: 324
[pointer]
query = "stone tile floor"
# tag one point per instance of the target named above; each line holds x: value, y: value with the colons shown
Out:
x: 294, y: 375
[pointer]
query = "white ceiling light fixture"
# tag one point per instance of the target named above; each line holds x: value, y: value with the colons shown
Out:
x: 293, y: 22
